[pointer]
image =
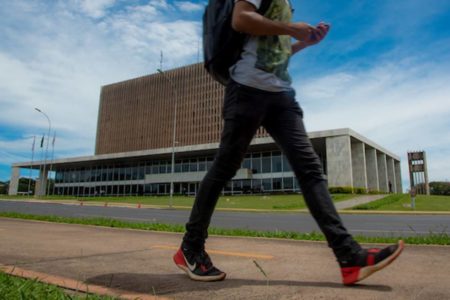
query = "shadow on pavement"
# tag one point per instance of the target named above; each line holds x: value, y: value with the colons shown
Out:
x: 165, y: 284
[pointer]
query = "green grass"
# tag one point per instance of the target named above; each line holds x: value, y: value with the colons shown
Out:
x: 275, y: 202
x: 402, y: 202
x: 431, y: 239
x: 12, y: 288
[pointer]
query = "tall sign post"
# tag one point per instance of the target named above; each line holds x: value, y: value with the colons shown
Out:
x: 418, y: 172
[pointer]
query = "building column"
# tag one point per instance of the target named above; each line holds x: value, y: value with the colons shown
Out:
x: 391, y: 174
x: 14, y: 181
x: 339, y: 161
x: 41, y: 183
x: 359, y: 165
x: 398, y: 177
x: 382, y: 172
x: 372, y: 169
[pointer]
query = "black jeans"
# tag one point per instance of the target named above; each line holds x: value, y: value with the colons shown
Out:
x: 245, y: 110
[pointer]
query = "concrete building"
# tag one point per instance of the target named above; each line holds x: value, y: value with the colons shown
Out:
x: 135, y: 135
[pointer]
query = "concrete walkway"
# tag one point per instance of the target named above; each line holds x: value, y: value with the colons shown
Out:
x: 138, y: 264
x: 357, y: 201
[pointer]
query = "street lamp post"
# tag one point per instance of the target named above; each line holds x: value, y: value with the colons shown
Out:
x: 46, y: 148
x: 31, y: 167
x: 173, y: 134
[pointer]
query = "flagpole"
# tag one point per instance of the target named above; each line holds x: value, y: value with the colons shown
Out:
x: 46, y: 149
x: 51, y: 164
x: 40, y: 166
x: 31, y: 165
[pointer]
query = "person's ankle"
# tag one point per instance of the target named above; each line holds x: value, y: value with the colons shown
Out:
x: 195, y: 247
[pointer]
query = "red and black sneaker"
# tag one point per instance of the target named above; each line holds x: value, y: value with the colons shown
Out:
x: 197, y: 265
x: 368, y: 261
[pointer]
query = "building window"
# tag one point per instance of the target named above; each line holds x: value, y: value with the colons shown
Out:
x: 276, y: 162
x: 193, y: 166
x: 288, y: 183
x: 163, y: 167
x: 247, y: 163
x: 116, y: 172
x: 256, y: 163
x: 58, y: 177
x: 178, y: 166
x: 256, y: 185
x: 266, y: 185
x: 286, y: 165
x: 98, y: 176
x: 109, y: 174
x: 148, y: 168
x: 121, y: 175
x: 104, y: 173
x: 141, y: 172
x: 202, y: 164
x: 155, y: 167
x: 266, y: 163
x: 277, y: 184
x: 246, y: 186
x: 185, y: 166
x: 237, y: 186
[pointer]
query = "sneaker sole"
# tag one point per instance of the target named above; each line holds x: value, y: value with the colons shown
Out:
x: 369, y: 270
x: 201, y: 278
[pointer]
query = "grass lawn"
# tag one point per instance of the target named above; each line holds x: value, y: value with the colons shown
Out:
x: 430, y: 239
x: 12, y: 287
x: 402, y: 202
x: 293, y: 201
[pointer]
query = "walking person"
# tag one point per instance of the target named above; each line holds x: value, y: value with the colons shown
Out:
x: 260, y: 94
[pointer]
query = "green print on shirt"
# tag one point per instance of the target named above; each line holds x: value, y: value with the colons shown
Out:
x: 273, y: 52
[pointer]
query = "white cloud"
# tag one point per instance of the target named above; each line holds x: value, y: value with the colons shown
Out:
x: 59, y: 59
x: 95, y: 8
x: 57, y: 55
x: 403, y: 107
x: 189, y: 6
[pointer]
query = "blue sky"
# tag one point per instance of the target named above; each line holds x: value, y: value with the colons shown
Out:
x: 382, y: 71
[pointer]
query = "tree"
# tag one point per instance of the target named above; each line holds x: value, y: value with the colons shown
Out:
x: 4, y: 186
x: 23, y: 185
x: 440, y: 188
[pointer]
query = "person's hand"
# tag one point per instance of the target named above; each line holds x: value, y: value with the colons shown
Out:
x: 318, y: 33
x: 301, y: 31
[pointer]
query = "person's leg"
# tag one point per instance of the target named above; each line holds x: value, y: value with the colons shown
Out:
x: 243, y: 113
x: 286, y: 126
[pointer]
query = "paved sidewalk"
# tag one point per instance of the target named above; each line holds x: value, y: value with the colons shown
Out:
x: 357, y: 201
x: 138, y: 264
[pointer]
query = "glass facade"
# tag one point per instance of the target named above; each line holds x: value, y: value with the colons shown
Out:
x: 270, y: 171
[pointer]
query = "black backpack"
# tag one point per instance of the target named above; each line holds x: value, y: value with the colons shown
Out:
x: 222, y: 45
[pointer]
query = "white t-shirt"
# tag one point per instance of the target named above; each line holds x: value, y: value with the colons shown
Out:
x: 264, y: 60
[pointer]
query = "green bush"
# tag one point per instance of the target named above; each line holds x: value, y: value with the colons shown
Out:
x: 360, y: 190
x: 340, y: 190
x: 440, y: 188
x: 375, y: 192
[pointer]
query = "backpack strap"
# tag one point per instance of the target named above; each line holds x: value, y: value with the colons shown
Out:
x: 265, y: 4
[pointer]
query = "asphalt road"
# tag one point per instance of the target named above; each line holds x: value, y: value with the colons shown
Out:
x: 358, y: 224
